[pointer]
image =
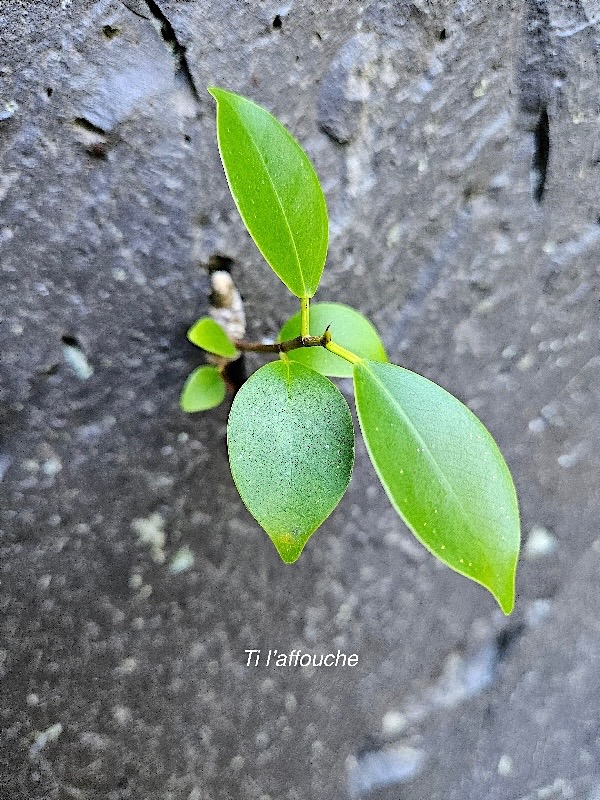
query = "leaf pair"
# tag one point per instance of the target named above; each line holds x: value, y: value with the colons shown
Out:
x: 205, y: 387
x: 291, y: 446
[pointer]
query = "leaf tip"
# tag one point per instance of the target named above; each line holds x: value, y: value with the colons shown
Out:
x: 218, y: 93
x: 506, y: 599
x: 289, y: 547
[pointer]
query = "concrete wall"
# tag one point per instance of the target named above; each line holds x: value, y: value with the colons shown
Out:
x: 457, y: 143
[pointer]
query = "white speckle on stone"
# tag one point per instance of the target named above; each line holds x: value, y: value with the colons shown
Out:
x: 44, y: 582
x: 237, y: 763
x: 10, y: 108
x: 505, y: 766
x: 145, y: 592
x: 481, y: 89
x: 537, y: 612
x: 51, y: 734
x: 568, y: 460
x: 526, y: 362
x: 127, y: 666
x: 5, y: 462
x: 121, y: 714
x: 345, y: 611
x: 540, y: 542
x: 135, y: 581
x: 378, y: 769
x: 537, y: 425
x: 291, y: 704
x: 394, y: 235
x: 32, y: 699
x: 150, y: 530
x: 262, y: 740
x: 182, y: 560
x: 52, y: 466
x: 212, y: 668
x: 77, y: 362
x: 393, y: 723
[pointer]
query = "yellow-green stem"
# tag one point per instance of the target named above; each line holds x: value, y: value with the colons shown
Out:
x: 342, y: 352
x: 304, y: 317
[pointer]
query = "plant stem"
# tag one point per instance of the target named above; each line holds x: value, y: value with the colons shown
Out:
x: 284, y: 347
x: 304, y: 317
x: 298, y: 342
x: 342, y: 352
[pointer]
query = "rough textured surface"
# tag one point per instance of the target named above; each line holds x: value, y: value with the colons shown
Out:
x: 458, y: 149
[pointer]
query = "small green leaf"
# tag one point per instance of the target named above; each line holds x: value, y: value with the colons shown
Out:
x: 443, y: 473
x: 210, y: 336
x: 276, y: 190
x: 291, y: 450
x: 348, y: 328
x: 204, y: 389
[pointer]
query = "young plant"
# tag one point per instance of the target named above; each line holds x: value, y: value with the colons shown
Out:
x: 290, y: 434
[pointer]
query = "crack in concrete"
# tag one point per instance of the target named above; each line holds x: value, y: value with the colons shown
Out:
x: 541, y: 155
x: 178, y: 50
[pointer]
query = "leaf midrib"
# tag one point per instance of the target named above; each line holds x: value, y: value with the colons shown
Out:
x: 438, y: 470
x: 281, y: 208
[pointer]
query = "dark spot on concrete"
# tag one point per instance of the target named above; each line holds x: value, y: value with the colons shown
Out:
x: 541, y: 155
x: 442, y: 35
x: 220, y: 262
x: 508, y: 638
x: 110, y: 32
x: 277, y: 22
x: 84, y: 123
x: 70, y: 341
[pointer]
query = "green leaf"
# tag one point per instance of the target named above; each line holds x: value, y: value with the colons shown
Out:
x: 291, y: 450
x: 443, y: 473
x: 348, y: 328
x: 204, y: 389
x: 210, y: 336
x: 276, y: 190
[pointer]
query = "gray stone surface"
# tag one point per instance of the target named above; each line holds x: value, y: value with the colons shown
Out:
x: 458, y: 147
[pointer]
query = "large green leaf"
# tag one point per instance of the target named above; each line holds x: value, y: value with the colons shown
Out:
x: 210, y: 336
x: 204, y: 389
x: 347, y: 327
x: 443, y: 473
x: 276, y: 190
x: 291, y: 449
